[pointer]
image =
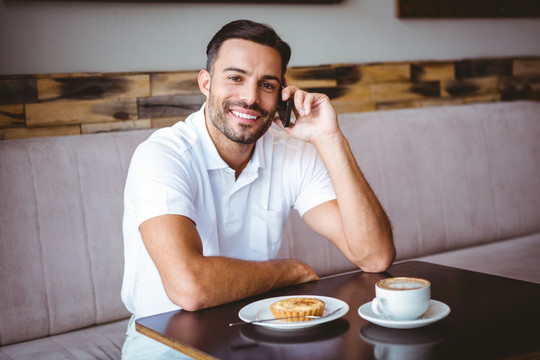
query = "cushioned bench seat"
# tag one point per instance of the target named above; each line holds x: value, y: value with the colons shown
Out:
x: 97, y: 342
x: 514, y: 258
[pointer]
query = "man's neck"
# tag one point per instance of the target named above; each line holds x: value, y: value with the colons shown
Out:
x: 236, y: 155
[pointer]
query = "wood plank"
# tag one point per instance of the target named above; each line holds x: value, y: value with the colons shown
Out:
x: 432, y: 71
x: 520, y: 87
x: 116, y: 126
x: 17, y: 91
x: 485, y: 98
x: 347, y: 74
x: 25, y: 133
x: 483, y: 68
x: 469, y: 87
x: 166, y: 122
x: 526, y: 67
x: 80, y: 112
x: 379, y: 73
x: 312, y: 77
x: 174, y: 83
x: 441, y: 102
x: 412, y: 104
x: 345, y: 94
x: 348, y: 99
x: 372, y: 73
x: 353, y: 107
x: 93, y: 87
x: 169, y: 106
x: 381, y: 93
x: 12, y: 116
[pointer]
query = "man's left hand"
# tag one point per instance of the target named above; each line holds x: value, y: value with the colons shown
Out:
x: 316, y: 117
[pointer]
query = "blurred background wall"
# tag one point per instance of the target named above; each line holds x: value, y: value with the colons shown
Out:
x: 39, y: 37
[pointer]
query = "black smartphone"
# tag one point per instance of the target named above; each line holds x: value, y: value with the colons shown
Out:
x: 284, y: 109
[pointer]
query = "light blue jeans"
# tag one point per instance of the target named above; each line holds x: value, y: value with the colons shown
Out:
x: 140, y: 347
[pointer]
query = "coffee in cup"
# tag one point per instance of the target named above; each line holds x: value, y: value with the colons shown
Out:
x: 401, y: 298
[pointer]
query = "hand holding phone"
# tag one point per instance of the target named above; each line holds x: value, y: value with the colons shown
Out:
x: 284, y: 109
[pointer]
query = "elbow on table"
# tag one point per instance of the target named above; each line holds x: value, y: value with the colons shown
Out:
x: 377, y: 261
x: 190, y: 297
x: 383, y: 261
x: 377, y: 265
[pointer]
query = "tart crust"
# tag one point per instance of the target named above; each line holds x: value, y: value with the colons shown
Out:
x: 297, y: 307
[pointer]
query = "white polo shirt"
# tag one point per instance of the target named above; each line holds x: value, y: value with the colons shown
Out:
x: 179, y: 171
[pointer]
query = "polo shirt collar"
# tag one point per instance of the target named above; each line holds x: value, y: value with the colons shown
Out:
x: 211, y: 155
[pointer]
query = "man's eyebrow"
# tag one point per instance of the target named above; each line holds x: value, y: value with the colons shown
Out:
x: 235, y: 69
x: 242, y: 71
x: 272, y: 77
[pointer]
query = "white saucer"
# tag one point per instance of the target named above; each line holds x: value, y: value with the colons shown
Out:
x: 259, y: 310
x: 436, y: 311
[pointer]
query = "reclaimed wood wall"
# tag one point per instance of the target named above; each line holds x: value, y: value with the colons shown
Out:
x: 72, y: 104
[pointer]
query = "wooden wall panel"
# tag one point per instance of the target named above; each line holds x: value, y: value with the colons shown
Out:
x: 359, y: 93
x: 17, y: 91
x: 169, y: 106
x: 364, y: 74
x: 312, y: 77
x: 382, y: 73
x: 12, y: 116
x: 523, y: 87
x: 482, y: 98
x: 176, y: 83
x: 352, y: 107
x: 23, y: 133
x: 94, y: 87
x: 116, y: 126
x: 405, y: 91
x: 80, y: 112
x: 166, y: 121
x: 525, y: 67
x: 469, y: 87
x: 482, y: 68
x: 66, y: 104
x: 432, y: 71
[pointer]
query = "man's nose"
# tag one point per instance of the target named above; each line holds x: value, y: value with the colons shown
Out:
x: 250, y: 93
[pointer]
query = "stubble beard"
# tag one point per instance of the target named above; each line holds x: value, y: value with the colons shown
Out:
x: 249, y: 134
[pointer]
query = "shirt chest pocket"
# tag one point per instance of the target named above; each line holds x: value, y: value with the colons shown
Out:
x: 265, y: 231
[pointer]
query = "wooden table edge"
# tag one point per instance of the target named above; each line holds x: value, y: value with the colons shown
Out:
x: 184, y: 349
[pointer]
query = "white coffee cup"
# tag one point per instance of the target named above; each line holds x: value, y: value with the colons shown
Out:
x: 401, y: 298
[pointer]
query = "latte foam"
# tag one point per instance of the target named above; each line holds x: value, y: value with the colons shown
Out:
x: 403, y: 283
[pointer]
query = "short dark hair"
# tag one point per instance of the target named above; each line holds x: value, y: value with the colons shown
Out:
x: 248, y: 30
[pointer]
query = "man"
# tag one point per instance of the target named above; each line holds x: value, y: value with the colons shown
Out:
x: 206, y: 200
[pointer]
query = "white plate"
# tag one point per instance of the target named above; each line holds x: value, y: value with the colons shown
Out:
x: 436, y: 311
x: 260, y: 310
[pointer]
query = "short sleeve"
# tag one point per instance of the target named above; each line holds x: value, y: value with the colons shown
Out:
x: 314, y: 184
x: 159, y: 182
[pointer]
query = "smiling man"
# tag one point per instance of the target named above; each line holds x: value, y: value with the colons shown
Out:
x: 206, y: 200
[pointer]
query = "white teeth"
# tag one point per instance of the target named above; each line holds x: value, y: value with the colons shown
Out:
x: 244, y: 116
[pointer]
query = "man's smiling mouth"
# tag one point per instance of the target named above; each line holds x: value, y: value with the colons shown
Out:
x: 244, y: 116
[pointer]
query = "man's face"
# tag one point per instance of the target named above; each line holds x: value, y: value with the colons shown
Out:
x: 243, y: 90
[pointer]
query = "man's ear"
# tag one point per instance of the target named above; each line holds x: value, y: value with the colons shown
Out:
x: 204, y: 80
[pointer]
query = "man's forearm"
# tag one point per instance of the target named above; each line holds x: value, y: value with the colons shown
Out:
x: 218, y: 280
x: 194, y: 281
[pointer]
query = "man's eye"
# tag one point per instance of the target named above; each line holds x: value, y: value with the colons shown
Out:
x: 268, y: 86
x: 235, y: 78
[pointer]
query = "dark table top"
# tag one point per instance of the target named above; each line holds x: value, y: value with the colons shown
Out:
x: 491, y: 317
